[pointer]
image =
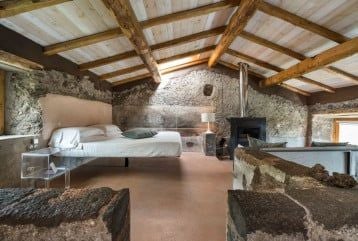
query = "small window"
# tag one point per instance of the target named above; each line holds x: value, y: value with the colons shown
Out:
x: 346, y: 131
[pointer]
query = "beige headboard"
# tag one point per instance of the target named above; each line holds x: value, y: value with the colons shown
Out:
x: 65, y: 111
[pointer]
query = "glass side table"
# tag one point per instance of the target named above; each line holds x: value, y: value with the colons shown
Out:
x: 47, y: 164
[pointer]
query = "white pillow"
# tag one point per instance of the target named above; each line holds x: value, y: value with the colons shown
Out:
x: 70, y: 137
x: 109, y: 130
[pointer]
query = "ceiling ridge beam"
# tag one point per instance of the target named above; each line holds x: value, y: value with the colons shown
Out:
x: 269, y: 66
x: 108, y: 34
x: 286, y: 86
x: 10, y: 8
x: 236, y: 24
x: 155, y: 47
x: 328, y: 56
x: 301, y: 22
x: 261, y: 41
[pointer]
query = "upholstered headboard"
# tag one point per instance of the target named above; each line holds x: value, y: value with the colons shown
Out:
x: 60, y: 111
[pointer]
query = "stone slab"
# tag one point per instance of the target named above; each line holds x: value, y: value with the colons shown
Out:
x: 58, y: 214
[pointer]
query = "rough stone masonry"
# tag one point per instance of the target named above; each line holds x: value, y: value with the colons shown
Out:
x: 57, y: 214
x: 279, y: 200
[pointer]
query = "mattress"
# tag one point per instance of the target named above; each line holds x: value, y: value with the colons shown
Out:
x: 164, y: 144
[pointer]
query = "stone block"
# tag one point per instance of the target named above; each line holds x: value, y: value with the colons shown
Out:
x: 57, y: 214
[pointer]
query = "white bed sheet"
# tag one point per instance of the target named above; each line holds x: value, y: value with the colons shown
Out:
x: 165, y: 143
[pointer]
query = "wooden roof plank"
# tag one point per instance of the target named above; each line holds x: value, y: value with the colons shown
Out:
x: 310, y: 64
x: 301, y: 22
x: 131, y: 79
x: 10, y: 8
x: 236, y: 24
x: 187, y: 54
x: 121, y: 72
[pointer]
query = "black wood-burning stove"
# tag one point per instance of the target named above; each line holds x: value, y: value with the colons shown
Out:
x: 241, y: 127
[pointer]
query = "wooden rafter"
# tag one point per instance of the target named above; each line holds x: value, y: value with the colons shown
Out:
x: 278, y: 69
x: 95, y: 38
x: 164, y: 71
x: 80, y: 42
x: 122, y: 71
x: 155, y: 47
x: 237, y: 24
x: 130, y: 27
x: 10, y: 8
x: 186, y: 55
x: 310, y: 64
x: 160, y: 61
x: 286, y: 86
x: 183, y: 66
x: 131, y: 79
x: 14, y: 61
x: 301, y: 22
x: 261, y: 41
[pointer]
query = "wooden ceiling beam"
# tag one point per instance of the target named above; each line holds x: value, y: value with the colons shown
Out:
x: 155, y: 47
x: 278, y: 69
x: 183, y: 66
x: 236, y: 24
x: 191, y: 13
x: 131, y: 79
x: 286, y: 86
x: 186, y: 55
x: 130, y: 27
x: 17, y: 62
x: 113, y: 33
x: 301, y: 22
x: 122, y: 71
x: 10, y: 8
x: 310, y: 64
x: 83, y: 41
x: 261, y: 41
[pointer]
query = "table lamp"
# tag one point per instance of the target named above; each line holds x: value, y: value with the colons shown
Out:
x: 208, y: 117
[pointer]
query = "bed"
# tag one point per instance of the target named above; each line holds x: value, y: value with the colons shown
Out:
x: 104, y: 140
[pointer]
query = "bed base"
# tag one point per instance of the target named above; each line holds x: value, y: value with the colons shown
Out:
x: 126, y: 162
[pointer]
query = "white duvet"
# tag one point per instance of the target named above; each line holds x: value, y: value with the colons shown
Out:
x: 165, y: 143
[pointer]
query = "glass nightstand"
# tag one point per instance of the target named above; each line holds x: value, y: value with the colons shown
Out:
x: 47, y: 164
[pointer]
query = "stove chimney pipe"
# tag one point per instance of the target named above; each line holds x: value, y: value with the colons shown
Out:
x: 243, y: 88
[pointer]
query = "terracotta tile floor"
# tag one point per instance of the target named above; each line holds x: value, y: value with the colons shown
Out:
x: 172, y: 199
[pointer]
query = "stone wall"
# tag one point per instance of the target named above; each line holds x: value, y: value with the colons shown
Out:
x: 23, y: 90
x: 178, y: 102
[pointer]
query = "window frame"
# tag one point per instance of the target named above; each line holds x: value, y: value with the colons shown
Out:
x: 336, y: 126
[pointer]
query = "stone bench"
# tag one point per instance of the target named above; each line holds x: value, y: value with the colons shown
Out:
x: 281, y: 200
x: 58, y: 214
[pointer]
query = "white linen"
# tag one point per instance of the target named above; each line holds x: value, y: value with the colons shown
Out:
x: 108, y: 129
x: 165, y: 143
x: 70, y: 137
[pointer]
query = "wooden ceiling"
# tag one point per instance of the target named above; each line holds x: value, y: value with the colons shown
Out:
x: 305, y: 46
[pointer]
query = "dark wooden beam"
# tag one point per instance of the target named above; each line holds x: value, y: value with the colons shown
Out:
x: 301, y: 22
x: 183, y: 66
x: 10, y: 8
x: 236, y: 25
x: 130, y: 27
x: 122, y: 71
x: 131, y: 79
x: 310, y: 64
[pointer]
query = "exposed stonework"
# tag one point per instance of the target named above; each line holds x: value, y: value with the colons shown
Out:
x: 57, y: 214
x: 23, y: 90
x: 179, y: 101
x: 283, y: 202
